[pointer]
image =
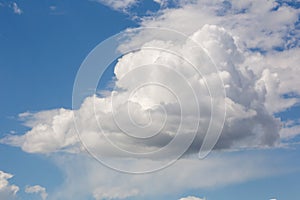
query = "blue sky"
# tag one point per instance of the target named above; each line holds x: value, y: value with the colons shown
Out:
x: 43, y: 44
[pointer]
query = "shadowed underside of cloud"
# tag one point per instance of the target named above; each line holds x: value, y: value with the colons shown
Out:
x: 241, y: 37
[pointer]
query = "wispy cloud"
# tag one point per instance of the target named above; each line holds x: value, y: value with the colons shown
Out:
x: 120, y: 5
x: 17, y: 10
x: 52, y: 8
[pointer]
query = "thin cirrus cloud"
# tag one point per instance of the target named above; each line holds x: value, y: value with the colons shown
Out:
x: 243, y: 38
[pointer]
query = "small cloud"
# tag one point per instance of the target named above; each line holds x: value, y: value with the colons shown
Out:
x: 7, y: 190
x: 120, y: 5
x: 38, y: 190
x: 17, y: 10
x: 52, y: 8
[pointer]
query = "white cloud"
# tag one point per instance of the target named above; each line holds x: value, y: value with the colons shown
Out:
x: 190, y: 174
x: 38, y: 190
x: 279, y: 76
x: 53, y: 8
x: 41, y: 138
x: 113, y: 193
x: 290, y: 129
x: 7, y: 191
x: 254, y: 82
x: 118, y: 4
x: 248, y: 122
x: 257, y: 24
x: 17, y: 10
x: 191, y: 198
x: 124, y: 5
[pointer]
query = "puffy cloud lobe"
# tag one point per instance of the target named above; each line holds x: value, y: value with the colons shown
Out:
x: 50, y: 132
x: 38, y: 190
x: 279, y: 78
x: 7, y: 191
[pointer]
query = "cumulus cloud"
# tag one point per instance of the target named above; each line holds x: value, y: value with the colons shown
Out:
x: 248, y: 121
x: 7, y: 191
x: 38, y: 190
x: 254, y: 47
